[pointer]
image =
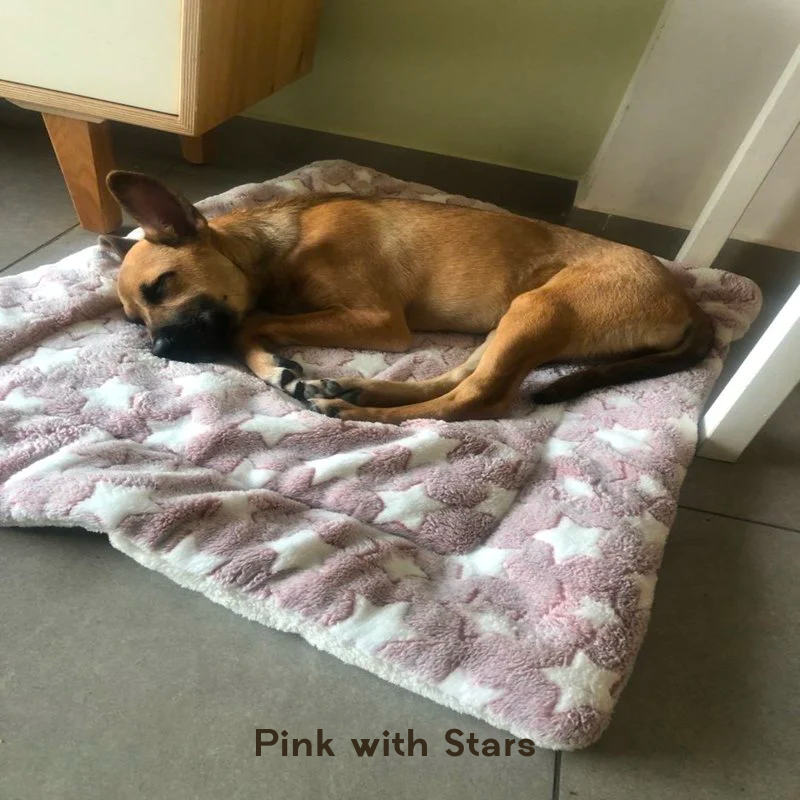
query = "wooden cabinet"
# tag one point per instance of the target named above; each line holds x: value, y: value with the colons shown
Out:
x: 176, y: 65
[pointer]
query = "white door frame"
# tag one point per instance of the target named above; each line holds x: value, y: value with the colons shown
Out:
x: 772, y: 369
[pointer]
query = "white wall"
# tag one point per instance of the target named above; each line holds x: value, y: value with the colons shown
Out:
x: 701, y: 82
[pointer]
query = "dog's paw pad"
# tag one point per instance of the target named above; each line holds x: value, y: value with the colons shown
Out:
x: 324, y: 388
x: 330, y: 388
x: 330, y: 408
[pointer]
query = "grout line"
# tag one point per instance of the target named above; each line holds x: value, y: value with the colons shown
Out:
x: 556, y: 777
x: 739, y: 519
x: 38, y: 248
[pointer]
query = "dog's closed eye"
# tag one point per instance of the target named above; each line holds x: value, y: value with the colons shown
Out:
x: 156, y: 291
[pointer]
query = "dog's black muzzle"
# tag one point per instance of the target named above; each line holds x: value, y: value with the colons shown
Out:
x: 200, y: 332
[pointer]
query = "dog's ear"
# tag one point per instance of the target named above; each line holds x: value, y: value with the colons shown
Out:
x: 166, y: 217
x: 115, y: 246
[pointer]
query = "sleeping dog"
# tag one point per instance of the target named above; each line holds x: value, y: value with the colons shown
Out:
x: 363, y: 273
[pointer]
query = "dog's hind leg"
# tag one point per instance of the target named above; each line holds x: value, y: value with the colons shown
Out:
x: 369, y: 392
x: 536, y: 329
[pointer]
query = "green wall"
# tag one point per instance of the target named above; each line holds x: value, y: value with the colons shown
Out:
x: 532, y: 84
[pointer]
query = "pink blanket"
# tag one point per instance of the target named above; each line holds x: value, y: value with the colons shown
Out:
x: 503, y: 568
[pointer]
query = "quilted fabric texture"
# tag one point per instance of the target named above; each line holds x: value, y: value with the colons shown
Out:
x: 503, y: 568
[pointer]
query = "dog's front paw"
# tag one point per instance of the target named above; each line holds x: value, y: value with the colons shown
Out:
x: 322, y: 388
x: 335, y: 407
x: 286, y: 375
x: 328, y: 389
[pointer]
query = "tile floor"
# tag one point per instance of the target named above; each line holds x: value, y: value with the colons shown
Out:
x: 115, y: 683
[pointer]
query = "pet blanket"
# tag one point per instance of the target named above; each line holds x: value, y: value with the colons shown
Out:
x: 503, y: 568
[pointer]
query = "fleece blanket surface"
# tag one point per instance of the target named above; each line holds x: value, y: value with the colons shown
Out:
x: 503, y: 568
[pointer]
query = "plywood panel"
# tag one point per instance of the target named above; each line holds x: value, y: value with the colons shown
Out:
x: 114, y: 50
x: 87, y: 108
x: 244, y: 51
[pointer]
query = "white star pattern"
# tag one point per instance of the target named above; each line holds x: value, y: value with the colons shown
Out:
x: 459, y: 684
x: 650, y: 487
x: 251, y: 476
x: 653, y: 532
x: 112, y: 394
x: 17, y: 400
x: 11, y: 317
x: 398, y: 568
x: 111, y: 504
x: 175, y: 433
x: 597, y: 612
x: 201, y: 383
x: 46, y: 359
x: 498, y: 501
x: 582, y: 683
x: 570, y: 540
x: 62, y: 460
x: 554, y: 447
x: 81, y: 329
x: 612, y: 400
x: 646, y: 584
x: 686, y: 427
x: 409, y: 507
x: 483, y: 561
x: 625, y: 439
x: 340, y: 465
x: 236, y: 505
x: 370, y: 627
x: 338, y: 188
x: 577, y: 488
x: 294, y: 185
x: 494, y: 623
x: 51, y: 290
x: 427, y: 447
x: 299, y: 550
x: 186, y: 556
x: 368, y: 364
x: 273, y: 429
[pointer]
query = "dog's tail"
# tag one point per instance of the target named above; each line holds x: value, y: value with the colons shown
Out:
x: 691, y: 349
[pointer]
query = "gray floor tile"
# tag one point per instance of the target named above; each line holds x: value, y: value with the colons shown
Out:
x: 199, y: 182
x: 660, y: 240
x: 763, y: 484
x: 65, y: 244
x: 247, y: 142
x: 587, y: 221
x: 712, y: 711
x: 117, y: 683
x: 34, y: 203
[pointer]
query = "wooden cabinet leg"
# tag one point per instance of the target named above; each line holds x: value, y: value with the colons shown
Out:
x: 85, y: 155
x: 197, y: 149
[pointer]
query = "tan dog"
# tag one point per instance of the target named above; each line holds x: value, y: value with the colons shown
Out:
x: 362, y: 273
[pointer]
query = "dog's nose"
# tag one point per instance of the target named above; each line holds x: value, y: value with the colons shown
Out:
x: 162, y: 345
